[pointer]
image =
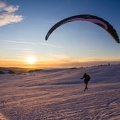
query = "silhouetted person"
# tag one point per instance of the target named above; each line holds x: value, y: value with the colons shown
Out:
x: 86, y: 78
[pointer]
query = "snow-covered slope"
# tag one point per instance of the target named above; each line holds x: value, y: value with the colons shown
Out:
x: 58, y: 95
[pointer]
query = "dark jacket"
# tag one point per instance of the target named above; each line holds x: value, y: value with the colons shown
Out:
x: 86, y: 78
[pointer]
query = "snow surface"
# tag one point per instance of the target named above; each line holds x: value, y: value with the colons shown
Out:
x: 58, y: 95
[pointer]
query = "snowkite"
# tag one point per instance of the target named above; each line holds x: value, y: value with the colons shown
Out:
x: 89, y: 18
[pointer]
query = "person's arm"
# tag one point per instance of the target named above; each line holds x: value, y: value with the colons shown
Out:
x: 83, y: 77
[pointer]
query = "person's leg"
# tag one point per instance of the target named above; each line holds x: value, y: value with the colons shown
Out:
x: 86, y: 86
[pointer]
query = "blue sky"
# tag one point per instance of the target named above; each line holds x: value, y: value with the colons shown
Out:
x: 24, y: 24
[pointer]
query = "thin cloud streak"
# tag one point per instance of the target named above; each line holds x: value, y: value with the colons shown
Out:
x: 22, y: 42
x: 50, y: 45
x: 10, y: 41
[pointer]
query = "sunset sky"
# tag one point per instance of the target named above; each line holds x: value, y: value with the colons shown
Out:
x: 25, y: 23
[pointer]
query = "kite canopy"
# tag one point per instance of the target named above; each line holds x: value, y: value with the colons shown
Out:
x: 89, y: 18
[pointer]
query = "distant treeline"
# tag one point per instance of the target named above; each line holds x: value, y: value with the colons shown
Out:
x: 7, y: 72
x: 13, y: 70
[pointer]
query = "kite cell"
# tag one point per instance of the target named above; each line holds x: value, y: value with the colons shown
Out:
x: 88, y: 18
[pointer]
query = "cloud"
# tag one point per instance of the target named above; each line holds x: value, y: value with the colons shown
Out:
x: 11, y: 8
x: 51, y: 45
x: 2, y: 5
x: 8, y: 8
x: 19, y: 42
x: 7, y: 15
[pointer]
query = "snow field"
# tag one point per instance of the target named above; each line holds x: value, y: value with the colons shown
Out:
x: 58, y: 95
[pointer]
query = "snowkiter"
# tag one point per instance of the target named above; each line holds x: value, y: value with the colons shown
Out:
x: 86, y: 78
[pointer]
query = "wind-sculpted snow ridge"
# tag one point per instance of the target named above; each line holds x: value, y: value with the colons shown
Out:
x: 59, y: 95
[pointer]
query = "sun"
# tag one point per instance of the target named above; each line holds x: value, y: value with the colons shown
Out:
x: 31, y: 60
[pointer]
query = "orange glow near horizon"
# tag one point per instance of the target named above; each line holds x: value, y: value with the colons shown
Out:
x: 31, y: 62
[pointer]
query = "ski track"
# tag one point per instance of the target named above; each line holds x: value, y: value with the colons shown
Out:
x: 59, y: 95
